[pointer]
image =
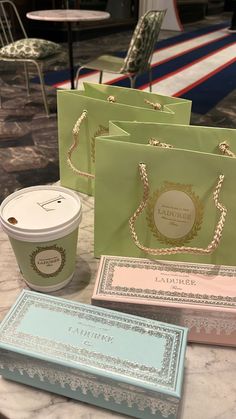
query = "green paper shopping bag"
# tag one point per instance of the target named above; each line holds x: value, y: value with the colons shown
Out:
x: 164, y: 203
x: 191, y: 137
x: 83, y: 115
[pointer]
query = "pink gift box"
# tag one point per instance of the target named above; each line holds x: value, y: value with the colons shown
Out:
x: 198, y: 296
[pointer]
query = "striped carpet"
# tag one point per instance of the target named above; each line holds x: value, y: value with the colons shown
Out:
x: 198, y: 65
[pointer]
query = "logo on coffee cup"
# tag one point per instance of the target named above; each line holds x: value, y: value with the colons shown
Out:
x: 48, y: 261
x: 174, y: 213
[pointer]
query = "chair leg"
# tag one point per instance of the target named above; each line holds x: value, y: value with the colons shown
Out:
x: 1, y: 105
x: 132, y: 81
x: 150, y: 79
x: 27, y: 79
x: 42, y: 88
x: 77, y: 76
x: 100, y: 77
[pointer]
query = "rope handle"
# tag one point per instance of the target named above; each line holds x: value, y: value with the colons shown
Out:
x: 111, y: 99
x: 74, y: 145
x: 181, y: 249
x: 225, y: 149
x: 156, y: 106
x: 158, y: 143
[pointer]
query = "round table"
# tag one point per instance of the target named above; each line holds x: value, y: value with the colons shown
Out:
x: 68, y: 16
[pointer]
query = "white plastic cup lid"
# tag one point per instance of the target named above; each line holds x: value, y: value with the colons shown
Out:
x: 40, y: 213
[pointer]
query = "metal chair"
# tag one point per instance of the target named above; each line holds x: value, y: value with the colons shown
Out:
x: 139, y: 54
x: 17, y: 47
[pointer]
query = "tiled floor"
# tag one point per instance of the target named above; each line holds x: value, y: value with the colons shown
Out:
x: 28, y: 139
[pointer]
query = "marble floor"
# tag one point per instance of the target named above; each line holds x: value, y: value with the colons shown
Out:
x: 29, y: 139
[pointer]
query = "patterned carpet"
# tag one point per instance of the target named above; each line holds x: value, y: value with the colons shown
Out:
x: 198, y: 65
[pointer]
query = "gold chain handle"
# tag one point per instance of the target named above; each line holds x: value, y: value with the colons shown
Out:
x: 75, y: 135
x: 225, y: 149
x: 182, y: 249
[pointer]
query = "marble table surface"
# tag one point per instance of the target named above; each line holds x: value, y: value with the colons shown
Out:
x: 210, y: 374
x: 68, y: 15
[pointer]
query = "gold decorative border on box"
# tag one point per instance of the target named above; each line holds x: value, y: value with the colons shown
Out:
x: 105, y: 286
x: 187, y: 189
x: 164, y: 377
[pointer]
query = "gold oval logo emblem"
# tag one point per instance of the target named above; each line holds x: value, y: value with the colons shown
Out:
x: 174, y: 214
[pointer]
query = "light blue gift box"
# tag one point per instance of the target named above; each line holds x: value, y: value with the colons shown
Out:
x: 110, y: 359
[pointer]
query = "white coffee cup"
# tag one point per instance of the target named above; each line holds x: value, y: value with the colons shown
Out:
x: 42, y: 224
